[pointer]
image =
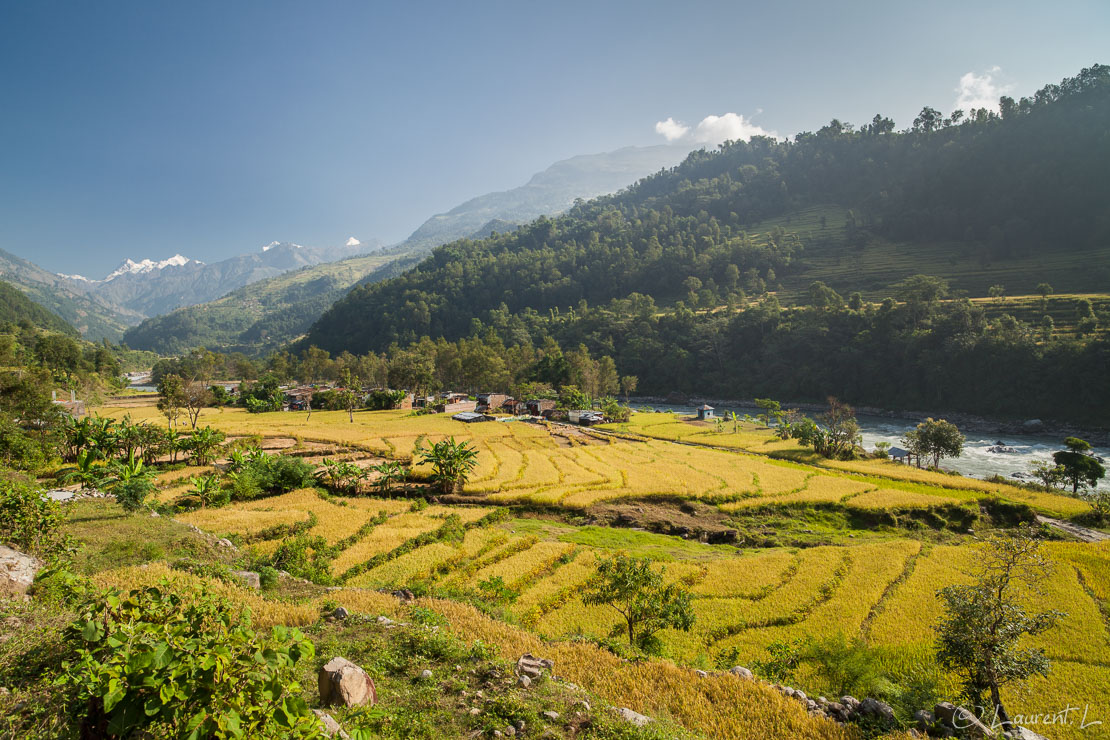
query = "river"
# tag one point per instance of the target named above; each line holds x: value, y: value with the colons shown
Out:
x: 975, y: 461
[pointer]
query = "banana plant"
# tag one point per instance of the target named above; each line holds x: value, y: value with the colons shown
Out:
x: 389, y: 472
x: 83, y: 471
x: 206, y: 489
x: 203, y: 443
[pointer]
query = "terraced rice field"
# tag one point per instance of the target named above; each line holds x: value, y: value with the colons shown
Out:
x: 883, y: 591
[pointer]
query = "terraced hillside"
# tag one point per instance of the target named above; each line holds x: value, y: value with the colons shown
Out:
x: 852, y: 550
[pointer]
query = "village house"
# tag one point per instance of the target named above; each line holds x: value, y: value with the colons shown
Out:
x: 705, y: 412
x: 540, y: 406
x: 491, y: 401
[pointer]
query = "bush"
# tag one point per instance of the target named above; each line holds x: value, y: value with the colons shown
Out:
x: 131, y: 494
x: 268, y: 577
x: 303, y: 557
x: 843, y: 665
x: 156, y: 664
x: 29, y: 521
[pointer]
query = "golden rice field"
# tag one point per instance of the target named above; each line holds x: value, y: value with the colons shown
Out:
x: 521, y: 462
x: 883, y: 591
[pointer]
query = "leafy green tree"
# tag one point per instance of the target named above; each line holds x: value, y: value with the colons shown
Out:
x: 154, y: 663
x: 979, y: 636
x: 823, y: 297
x: 638, y: 592
x: 628, y: 385
x: 1079, y: 467
x: 1049, y: 474
x: 452, y: 462
x: 936, y: 439
x: 1044, y: 290
x: 171, y: 398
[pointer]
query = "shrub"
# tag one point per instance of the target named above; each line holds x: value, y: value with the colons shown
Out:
x: 29, y: 521
x: 843, y: 665
x: 304, y: 557
x: 132, y: 494
x: 162, y: 665
x: 268, y: 577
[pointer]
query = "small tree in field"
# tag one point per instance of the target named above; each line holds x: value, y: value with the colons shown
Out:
x: 638, y: 593
x: 978, y: 637
x: 452, y: 462
x: 1079, y: 467
x: 935, y: 438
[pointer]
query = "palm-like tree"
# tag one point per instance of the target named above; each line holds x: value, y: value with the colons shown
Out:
x: 203, y: 443
x: 83, y: 471
x: 389, y: 472
x: 452, y: 462
x: 205, y: 489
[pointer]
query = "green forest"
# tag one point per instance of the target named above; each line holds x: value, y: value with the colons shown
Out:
x: 726, y: 275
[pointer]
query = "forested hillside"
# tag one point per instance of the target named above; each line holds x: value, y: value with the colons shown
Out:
x: 16, y: 308
x: 89, y: 314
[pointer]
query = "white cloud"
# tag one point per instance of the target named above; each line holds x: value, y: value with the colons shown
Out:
x: 729, y: 127
x: 713, y: 130
x: 671, y: 130
x: 980, y: 91
x: 352, y: 242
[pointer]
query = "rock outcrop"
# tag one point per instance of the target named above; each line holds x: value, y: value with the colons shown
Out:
x: 343, y: 682
x: 17, y: 572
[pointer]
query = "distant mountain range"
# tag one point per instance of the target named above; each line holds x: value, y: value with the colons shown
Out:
x: 227, y: 315
x: 262, y: 315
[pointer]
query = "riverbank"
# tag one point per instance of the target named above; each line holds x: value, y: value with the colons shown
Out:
x: 966, y: 422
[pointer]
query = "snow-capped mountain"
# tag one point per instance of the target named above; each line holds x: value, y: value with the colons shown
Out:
x: 151, y: 287
x: 130, y: 267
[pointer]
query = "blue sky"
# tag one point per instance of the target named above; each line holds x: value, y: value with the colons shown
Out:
x: 140, y: 129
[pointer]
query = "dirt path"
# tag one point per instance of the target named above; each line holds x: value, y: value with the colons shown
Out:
x: 1082, y: 533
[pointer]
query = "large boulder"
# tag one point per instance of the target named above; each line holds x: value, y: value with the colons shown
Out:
x: 741, y: 672
x: 17, y: 572
x: 878, y: 711
x: 343, y: 682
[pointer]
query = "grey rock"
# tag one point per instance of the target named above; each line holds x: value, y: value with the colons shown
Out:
x: 631, y: 717
x: 944, y: 711
x: 510, y: 731
x: 331, y: 727
x: 17, y: 572
x: 519, y: 725
x: 1024, y: 733
x: 249, y: 577
x: 533, y: 667
x: 551, y: 716
x: 701, y: 674
x: 343, y: 682
x: 523, y: 682
x: 425, y: 674
x: 924, y: 719
x: 474, y: 711
x: 851, y: 702
x: 340, y: 613
x: 224, y: 542
x: 878, y: 710
x: 582, y: 704
x: 741, y: 672
x: 800, y: 696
